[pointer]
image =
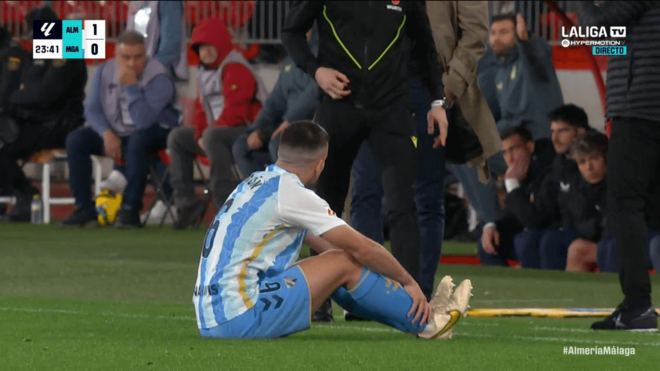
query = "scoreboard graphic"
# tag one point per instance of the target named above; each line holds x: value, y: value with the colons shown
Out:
x: 69, y: 39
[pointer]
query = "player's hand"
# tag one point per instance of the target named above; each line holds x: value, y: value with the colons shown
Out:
x: 521, y: 28
x: 112, y: 145
x: 518, y: 170
x: 254, y: 141
x: 451, y: 98
x: 490, y: 239
x: 438, y: 116
x: 333, y: 82
x: 421, y: 308
x: 127, y: 76
x: 279, y: 130
x: 200, y: 143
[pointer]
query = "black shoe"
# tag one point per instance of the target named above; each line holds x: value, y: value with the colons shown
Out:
x: 624, y: 317
x: 81, y: 218
x: 348, y: 316
x: 324, y: 314
x: 188, y: 216
x: 128, y: 218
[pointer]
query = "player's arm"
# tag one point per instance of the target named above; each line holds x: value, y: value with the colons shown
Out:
x: 318, y: 244
x: 55, y: 82
x: 303, y: 208
x: 368, y: 252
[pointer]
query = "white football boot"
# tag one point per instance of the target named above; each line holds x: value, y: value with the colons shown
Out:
x: 447, y: 312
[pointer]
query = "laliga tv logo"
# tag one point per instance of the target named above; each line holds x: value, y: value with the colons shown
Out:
x: 593, y: 32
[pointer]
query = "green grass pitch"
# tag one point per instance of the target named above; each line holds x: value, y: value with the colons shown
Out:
x: 121, y: 300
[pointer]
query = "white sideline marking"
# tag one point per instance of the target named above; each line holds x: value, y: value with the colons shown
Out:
x: 365, y: 329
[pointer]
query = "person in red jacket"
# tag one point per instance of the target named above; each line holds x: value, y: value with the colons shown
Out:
x: 230, y: 95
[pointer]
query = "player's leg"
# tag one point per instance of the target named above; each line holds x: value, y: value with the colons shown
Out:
x: 582, y: 256
x: 526, y: 245
x: 369, y: 295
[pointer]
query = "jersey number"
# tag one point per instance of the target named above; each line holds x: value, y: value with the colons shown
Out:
x: 213, y: 229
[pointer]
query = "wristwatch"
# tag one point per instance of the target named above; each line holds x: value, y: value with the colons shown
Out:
x: 440, y: 102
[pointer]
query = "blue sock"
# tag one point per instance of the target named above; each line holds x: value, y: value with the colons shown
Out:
x: 379, y: 299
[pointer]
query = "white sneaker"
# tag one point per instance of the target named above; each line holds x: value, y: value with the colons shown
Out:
x: 157, y: 213
x: 447, y: 313
x: 115, y: 182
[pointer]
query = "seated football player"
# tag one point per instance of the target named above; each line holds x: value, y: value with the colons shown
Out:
x: 249, y: 284
x: 513, y: 236
x: 230, y: 95
x: 130, y: 111
x: 585, y: 202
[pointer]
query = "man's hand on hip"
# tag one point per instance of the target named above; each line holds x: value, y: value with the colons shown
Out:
x: 333, y: 82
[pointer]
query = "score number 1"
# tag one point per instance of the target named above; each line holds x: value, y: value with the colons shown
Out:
x: 94, y: 39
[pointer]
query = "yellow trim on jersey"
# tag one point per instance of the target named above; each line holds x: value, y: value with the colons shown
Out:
x: 334, y: 32
x: 398, y: 33
x: 242, y: 285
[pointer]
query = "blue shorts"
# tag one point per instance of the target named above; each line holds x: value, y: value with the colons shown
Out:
x: 284, y: 307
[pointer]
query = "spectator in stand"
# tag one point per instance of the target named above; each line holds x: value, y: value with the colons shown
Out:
x: 46, y: 108
x: 511, y: 236
x: 163, y: 26
x: 633, y: 93
x: 130, y: 111
x: 230, y: 97
x: 293, y: 98
x: 527, y: 90
x: 585, y: 201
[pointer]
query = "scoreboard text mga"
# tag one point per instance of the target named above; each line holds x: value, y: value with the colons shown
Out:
x: 69, y: 39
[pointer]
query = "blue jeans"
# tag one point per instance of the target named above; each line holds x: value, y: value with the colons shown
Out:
x: 483, y: 197
x: 554, y: 248
x: 250, y: 161
x: 141, y: 147
x: 523, y: 247
x: 367, y: 192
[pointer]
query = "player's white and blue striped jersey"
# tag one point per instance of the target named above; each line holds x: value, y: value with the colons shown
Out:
x: 257, y: 233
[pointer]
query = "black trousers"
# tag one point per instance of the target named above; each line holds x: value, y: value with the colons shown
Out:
x: 389, y: 134
x: 32, y: 138
x: 633, y: 158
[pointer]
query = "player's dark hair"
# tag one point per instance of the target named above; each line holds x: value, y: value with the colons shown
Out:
x: 305, y: 135
x: 572, y: 115
x: 302, y: 142
x: 589, y: 143
x: 504, y: 17
x: 520, y: 131
x: 130, y: 38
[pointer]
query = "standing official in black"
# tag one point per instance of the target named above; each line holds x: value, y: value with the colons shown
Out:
x: 46, y: 108
x: 362, y: 70
x: 633, y: 93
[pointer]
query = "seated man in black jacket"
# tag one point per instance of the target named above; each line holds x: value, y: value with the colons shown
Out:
x: 47, y: 107
x: 585, y: 202
x: 509, y: 237
x: 545, y: 210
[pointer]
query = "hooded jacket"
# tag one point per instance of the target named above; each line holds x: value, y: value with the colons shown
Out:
x: 239, y: 84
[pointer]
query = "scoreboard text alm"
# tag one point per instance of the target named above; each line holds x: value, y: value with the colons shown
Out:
x: 69, y: 39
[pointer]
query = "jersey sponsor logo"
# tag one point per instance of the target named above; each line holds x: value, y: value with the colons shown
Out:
x: 393, y: 7
x: 564, y: 187
x: 500, y: 86
x: 331, y: 213
x: 206, y: 290
x: 396, y: 2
